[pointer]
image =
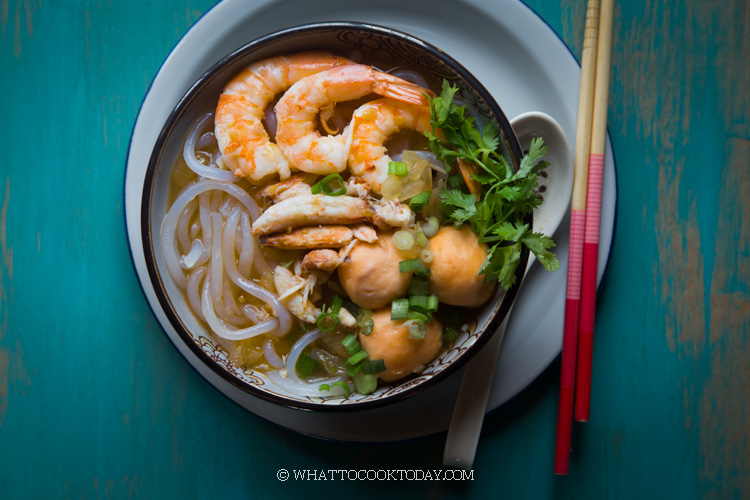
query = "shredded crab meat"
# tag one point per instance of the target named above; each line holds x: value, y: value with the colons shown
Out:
x: 343, y: 253
x: 392, y: 214
x: 291, y: 288
x: 300, y: 284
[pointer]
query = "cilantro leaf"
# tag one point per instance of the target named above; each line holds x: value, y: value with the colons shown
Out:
x: 511, y: 232
x: 464, y: 204
x: 539, y: 244
x: 501, y: 264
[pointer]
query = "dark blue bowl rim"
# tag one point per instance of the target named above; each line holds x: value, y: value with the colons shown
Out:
x: 501, y: 308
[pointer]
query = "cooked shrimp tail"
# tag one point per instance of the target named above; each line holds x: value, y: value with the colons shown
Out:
x: 396, y: 88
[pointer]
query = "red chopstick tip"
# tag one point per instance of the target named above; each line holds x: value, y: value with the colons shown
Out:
x: 562, y: 464
x: 564, y: 430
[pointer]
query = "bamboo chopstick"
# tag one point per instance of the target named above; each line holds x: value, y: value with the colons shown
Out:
x: 593, y: 213
x: 577, y: 223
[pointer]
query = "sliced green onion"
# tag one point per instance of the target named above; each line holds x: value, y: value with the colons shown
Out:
x: 419, y: 316
x: 351, y: 369
x: 422, y: 240
x: 414, y: 265
x: 432, y: 227
x: 324, y: 186
x: 419, y: 200
x: 364, y: 320
x: 357, y: 357
x: 432, y: 303
x: 340, y: 383
x: 450, y: 334
x: 365, y: 383
x: 426, y: 256
x: 329, y: 320
x: 418, y: 302
x: 419, y: 287
x: 399, y: 309
x: 417, y: 330
x: 367, y: 327
x: 336, y: 305
x: 305, y: 365
x: 398, y: 168
x: 351, y: 344
x: 403, y: 240
x: 373, y: 367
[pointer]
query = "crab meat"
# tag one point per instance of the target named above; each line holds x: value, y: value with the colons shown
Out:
x: 312, y: 209
x: 310, y: 237
x: 365, y: 233
x: 357, y: 187
x: 346, y: 318
x: 297, y: 185
x: 292, y: 292
x: 392, y: 214
x: 325, y: 260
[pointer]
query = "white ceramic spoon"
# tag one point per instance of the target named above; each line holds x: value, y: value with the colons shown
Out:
x: 471, y: 404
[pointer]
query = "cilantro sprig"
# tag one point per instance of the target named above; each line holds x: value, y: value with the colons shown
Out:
x: 497, y: 216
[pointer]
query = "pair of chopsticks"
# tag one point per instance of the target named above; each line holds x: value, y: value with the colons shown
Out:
x: 580, y: 301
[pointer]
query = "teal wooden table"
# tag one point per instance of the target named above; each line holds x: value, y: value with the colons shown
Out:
x: 96, y: 403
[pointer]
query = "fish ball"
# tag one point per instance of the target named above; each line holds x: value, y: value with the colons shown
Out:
x: 457, y: 258
x: 402, y: 355
x: 370, y: 275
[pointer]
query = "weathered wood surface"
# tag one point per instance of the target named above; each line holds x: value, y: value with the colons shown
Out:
x: 96, y: 403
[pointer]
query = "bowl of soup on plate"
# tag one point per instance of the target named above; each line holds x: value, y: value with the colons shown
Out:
x: 312, y: 231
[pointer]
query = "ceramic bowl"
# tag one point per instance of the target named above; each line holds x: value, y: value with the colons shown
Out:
x: 359, y: 42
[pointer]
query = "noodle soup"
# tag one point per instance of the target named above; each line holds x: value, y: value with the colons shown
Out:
x: 306, y: 234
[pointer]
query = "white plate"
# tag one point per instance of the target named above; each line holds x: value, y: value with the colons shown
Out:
x: 522, y: 63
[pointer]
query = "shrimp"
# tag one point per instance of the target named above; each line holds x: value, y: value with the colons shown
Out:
x: 298, y: 108
x: 312, y: 209
x: 374, y: 123
x: 245, y: 146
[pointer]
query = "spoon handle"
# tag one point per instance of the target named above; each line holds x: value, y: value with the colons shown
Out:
x: 468, y: 414
x: 471, y: 404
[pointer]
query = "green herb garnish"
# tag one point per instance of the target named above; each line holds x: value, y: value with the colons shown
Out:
x: 332, y: 185
x: 351, y: 344
x: 414, y: 265
x: 419, y: 200
x: 450, y: 334
x: 398, y: 168
x: 365, y: 383
x: 328, y: 387
x: 305, y: 365
x: 373, y: 367
x: 506, y: 195
x: 364, y: 320
x: 328, y: 320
